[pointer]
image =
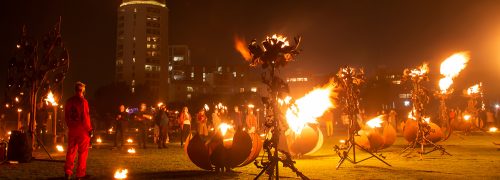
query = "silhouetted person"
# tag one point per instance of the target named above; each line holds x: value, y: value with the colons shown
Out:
x: 120, y: 120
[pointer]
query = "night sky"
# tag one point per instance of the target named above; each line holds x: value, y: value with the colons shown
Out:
x: 367, y: 33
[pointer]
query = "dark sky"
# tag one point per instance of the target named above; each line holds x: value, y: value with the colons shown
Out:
x: 366, y: 33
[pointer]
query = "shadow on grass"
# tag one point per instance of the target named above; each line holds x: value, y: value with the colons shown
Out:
x: 184, y: 174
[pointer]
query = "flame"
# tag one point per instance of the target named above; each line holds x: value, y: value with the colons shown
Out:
x: 121, y: 174
x: 474, y: 89
x: 251, y: 106
x: 309, y: 107
x: 493, y: 129
x: 224, y: 127
x: 160, y: 104
x: 206, y: 107
x: 50, y: 99
x: 60, y: 148
x: 450, y: 68
x: 278, y: 39
x: 284, y: 101
x: 110, y: 130
x: 131, y: 151
x: 424, y: 69
x: 129, y: 140
x: 241, y: 46
x: 467, y: 117
x: 99, y: 140
x: 427, y: 120
x: 375, y: 122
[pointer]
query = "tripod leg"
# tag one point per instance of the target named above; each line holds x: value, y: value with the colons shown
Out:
x: 43, y: 146
x: 270, y: 165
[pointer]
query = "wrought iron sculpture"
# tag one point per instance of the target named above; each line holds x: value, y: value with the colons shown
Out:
x: 349, y: 80
x: 419, y: 98
x: 274, y: 53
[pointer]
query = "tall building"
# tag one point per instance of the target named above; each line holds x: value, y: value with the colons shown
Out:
x: 142, y: 45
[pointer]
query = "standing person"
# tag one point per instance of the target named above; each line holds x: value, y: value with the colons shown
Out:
x: 78, y: 121
x: 237, y: 119
x: 143, y: 118
x: 202, y: 123
x: 120, y: 120
x: 392, y: 118
x: 329, y: 123
x: 216, y: 119
x: 162, y: 122
x: 251, y: 120
x: 185, y: 123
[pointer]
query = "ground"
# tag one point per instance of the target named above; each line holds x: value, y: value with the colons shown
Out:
x: 473, y: 157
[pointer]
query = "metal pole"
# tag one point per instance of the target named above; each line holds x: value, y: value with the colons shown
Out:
x: 54, y: 125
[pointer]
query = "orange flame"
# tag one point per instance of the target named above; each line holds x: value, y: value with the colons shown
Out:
x: 474, y: 89
x: 241, y: 46
x: 375, y: 122
x: 310, y: 107
x: 121, y: 174
x: 50, y: 99
x: 224, y: 128
x: 450, y: 68
x: 424, y: 69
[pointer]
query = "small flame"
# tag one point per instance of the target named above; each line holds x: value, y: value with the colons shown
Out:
x: 241, y: 46
x: 375, y: 122
x: 110, y: 130
x: 450, y: 68
x: 131, y: 151
x: 206, y: 107
x: 9, y: 133
x: 493, y: 129
x: 160, y: 104
x: 251, y: 106
x: 309, y: 107
x: 60, y: 148
x: 19, y: 110
x: 467, y: 117
x: 427, y: 120
x: 121, y: 174
x: 342, y: 141
x: 424, y: 69
x: 99, y: 140
x: 50, y: 99
x: 224, y: 127
x: 129, y: 140
x: 474, y: 89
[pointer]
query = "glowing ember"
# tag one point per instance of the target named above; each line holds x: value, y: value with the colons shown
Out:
x: 98, y: 140
x: 224, y: 127
x: 467, y: 117
x: 450, y: 68
x: 310, y: 107
x: 60, y: 148
x: 129, y: 140
x: 424, y: 69
x: 121, y: 174
x: 474, y: 89
x: 50, y: 99
x: 375, y: 122
x: 131, y: 151
x: 493, y: 129
x: 241, y: 46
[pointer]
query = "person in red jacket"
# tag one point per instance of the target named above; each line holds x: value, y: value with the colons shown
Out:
x: 78, y: 121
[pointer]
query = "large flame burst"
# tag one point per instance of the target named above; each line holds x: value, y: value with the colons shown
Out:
x: 310, y: 107
x: 375, y: 122
x: 450, y: 68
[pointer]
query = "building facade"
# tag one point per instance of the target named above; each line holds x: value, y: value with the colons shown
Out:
x: 142, y: 45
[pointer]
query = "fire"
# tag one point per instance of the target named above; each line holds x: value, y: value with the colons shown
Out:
x: 310, y: 107
x: 424, y: 69
x: 474, y: 89
x: 284, y: 101
x: 375, y: 122
x: 427, y: 120
x: 99, y: 140
x: 121, y: 174
x: 131, y: 151
x: 129, y: 140
x: 160, y: 104
x: 206, y: 107
x: 493, y: 129
x: 50, y: 99
x: 450, y: 68
x: 60, y: 148
x: 467, y: 117
x: 279, y: 39
x: 224, y: 127
x: 241, y: 46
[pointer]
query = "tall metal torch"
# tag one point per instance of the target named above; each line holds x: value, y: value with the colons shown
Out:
x: 50, y: 99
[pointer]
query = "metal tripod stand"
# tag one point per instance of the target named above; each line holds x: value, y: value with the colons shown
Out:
x: 350, y: 80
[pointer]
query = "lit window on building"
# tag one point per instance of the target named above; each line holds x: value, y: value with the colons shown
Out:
x: 242, y: 90
x: 192, y: 74
x: 153, y: 53
x: 134, y: 38
x: 133, y: 82
x: 170, y: 68
x: 153, y: 46
x: 189, y: 89
x: 178, y: 58
x: 119, y: 62
x: 133, y: 59
x: 132, y: 90
x: 188, y: 96
x: 154, y: 39
x: 148, y: 68
x: 149, y: 38
x: 405, y: 96
x: 155, y: 18
x: 204, y: 77
x: 234, y: 74
x: 253, y: 89
x: 148, y: 46
x: 135, y: 9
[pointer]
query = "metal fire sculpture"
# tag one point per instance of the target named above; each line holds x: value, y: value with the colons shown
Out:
x: 424, y: 129
x: 475, y: 105
x: 274, y: 53
x: 349, y: 80
x: 37, y: 68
